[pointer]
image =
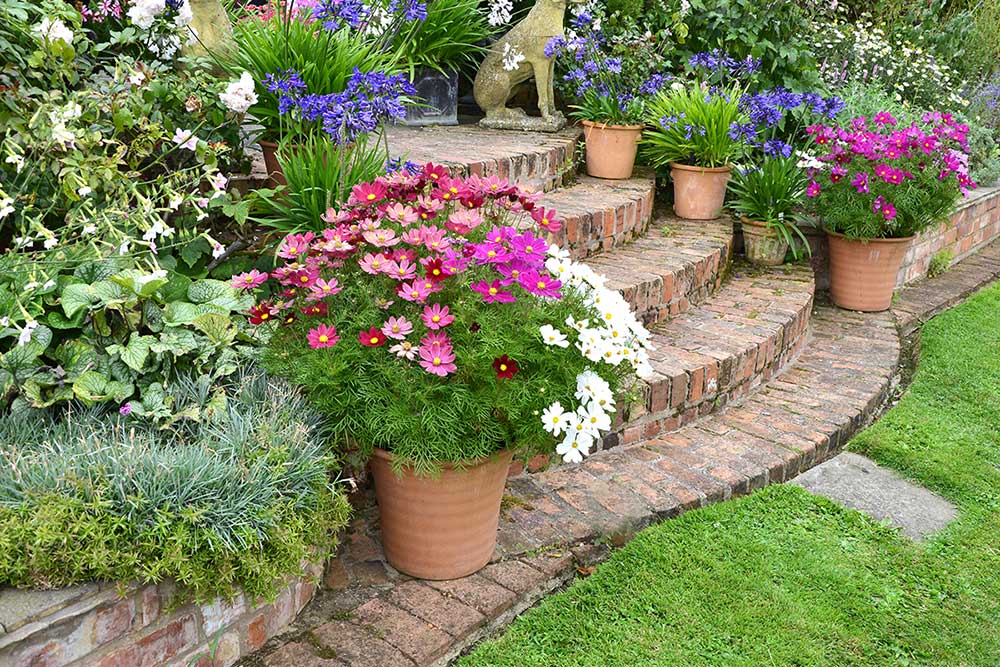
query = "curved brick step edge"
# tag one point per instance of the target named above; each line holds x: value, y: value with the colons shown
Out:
x: 537, y: 160
x: 718, y: 352
x: 675, y: 264
x: 101, y: 625
x: 837, y: 385
x: 599, y: 215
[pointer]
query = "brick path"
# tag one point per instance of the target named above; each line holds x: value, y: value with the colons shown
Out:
x: 754, y: 384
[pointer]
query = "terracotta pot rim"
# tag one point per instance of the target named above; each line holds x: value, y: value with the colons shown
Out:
x: 608, y: 126
x: 905, y: 239
x: 708, y: 170
x: 446, y: 465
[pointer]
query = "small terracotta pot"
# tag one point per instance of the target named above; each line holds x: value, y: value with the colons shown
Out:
x: 275, y: 176
x: 442, y: 527
x: 611, y: 149
x: 863, y: 273
x: 699, y: 192
x: 763, y: 245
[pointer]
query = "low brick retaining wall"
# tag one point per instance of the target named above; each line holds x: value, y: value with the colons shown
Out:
x: 101, y: 625
x: 973, y: 225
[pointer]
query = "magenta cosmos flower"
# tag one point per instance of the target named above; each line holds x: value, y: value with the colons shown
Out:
x: 416, y: 291
x: 322, y: 336
x: 437, y: 316
x: 540, y: 284
x: 323, y: 288
x: 437, y: 359
x: 249, y: 280
x: 493, y: 292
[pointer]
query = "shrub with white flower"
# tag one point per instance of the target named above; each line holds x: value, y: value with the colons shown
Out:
x: 434, y: 320
x: 239, y: 95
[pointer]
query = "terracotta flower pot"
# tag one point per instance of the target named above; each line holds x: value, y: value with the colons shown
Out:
x: 275, y: 176
x: 699, y: 192
x: 441, y: 527
x: 762, y: 244
x: 863, y: 273
x: 611, y: 149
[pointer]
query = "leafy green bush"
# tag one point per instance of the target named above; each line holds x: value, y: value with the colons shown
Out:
x: 103, y: 331
x: 772, y: 193
x: 450, y: 37
x: 693, y: 126
x: 238, y: 501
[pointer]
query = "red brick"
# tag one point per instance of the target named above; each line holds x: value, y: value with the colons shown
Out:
x: 416, y: 638
x: 451, y: 615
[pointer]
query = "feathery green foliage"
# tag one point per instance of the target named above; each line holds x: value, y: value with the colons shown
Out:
x: 240, y: 500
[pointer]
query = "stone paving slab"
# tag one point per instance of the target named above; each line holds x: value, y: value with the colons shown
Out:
x: 859, y: 483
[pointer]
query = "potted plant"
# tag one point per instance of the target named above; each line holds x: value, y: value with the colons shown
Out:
x: 769, y: 200
x: 439, y: 340
x: 609, y: 93
x: 877, y: 187
x: 435, y: 51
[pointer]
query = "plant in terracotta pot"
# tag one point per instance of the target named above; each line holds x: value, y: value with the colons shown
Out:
x: 769, y: 200
x: 439, y: 339
x: 608, y: 93
x: 876, y: 185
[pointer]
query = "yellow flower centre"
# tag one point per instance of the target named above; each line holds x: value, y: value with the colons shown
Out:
x: 528, y: 249
x: 514, y: 273
x: 437, y: 361
x: 436, y: 318
x: 414, y: 293
x: 436, y: 272
x: 376, y: 264
x: 545, y: 222
x: 491, y: 253
x: 323, y: 338
x: 371, y: 196
x: 264, y: 316
x: 575, y: 445
x: 541, y: 284
x: 248, y: 279
x: 493, y: 291
x: 395, y: 328
x: 304, y: 279
x: 503, y: 367
x: 373, y: 340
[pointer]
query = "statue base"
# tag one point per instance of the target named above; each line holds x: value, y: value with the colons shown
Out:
x: 516, y: 119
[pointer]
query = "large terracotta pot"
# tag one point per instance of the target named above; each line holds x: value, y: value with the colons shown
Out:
x: 762, y: 244
x: 699, y: 192
x: 863, y: 273
x: 442, y: 527
x: 611, y: 149
x: 275, y: 176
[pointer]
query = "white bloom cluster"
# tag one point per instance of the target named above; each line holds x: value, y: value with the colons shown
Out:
x: 512, y: 58
x: 51, y: 31
x: 239, y: 95
x: 614, y: 337
x: 166, y: 41
x: 500, y: 12
x: 61, y: 120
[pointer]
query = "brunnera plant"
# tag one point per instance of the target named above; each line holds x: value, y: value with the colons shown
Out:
x: 430, y: 320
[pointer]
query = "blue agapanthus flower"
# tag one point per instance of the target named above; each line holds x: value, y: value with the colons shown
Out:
x: 335, y: 14
x: 777, y: 148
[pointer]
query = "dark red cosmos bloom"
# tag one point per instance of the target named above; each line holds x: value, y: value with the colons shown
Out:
x: 435, y: 271
x: 314, y: 309
x: 261, y: 313
x: 505, y: 367
x: 372, y: 338
x: 289, y: 317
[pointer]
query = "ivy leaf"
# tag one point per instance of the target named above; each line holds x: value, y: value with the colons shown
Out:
x: 93, y: 387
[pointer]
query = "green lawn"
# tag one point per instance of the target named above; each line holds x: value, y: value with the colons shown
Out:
x: 786, y: 578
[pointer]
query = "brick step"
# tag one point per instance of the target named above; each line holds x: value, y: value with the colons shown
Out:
x: 601, y: 215
x: 720, y: 350
x: 569, y: 517
x: 541, y: 161
x: 675, y: 264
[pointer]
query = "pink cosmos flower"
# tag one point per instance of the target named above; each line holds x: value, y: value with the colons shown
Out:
x: 373, y: 264
x: 860, y: 182
x: 322, y: 336
x: 837, y: 174
x: 367, y: 193
x: 884, y: 118
x: 397, y: 328
x: 529, y: 248
x: 546, y: 219
x: 813, y: 189
x: 436, y: 316
x: 383, y: 238
x: 401, y: 214
x: 540, y: 284
x: 436, y: 339
x: 294, y: 245
x: 302, y: 278
x: 500, y: 234
x: 489, y: 252
x: 493, y: 292
x: 249, y: 279
x: 405, y: 350
x: 512, y: 271
x: 415, y: 291
x: 434, y: 238
x: 437, y: 361
x: 448, y: 189
x: 464, y: 221
x: 324, y: 288
x: 401, y: 270
x: 888, y: 211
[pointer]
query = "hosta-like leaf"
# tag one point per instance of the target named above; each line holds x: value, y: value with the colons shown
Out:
x: 135, y: 353
x: 218, y: 293
x: 217, y: 327
x: 92, y: 387
x: 182, y: 312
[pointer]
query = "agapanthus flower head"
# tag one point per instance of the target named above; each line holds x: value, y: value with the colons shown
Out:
x: 335, y: 14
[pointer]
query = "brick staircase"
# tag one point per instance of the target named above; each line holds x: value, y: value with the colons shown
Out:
x: 755, y: 382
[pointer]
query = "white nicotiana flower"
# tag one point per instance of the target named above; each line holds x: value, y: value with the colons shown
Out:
x: 159, y: 274
x: 50, y: 243
x: 124, y: 247
x: 52, y: 30
x: 90, y: 229
x: 512, y: 58
x: 6, y: 208
x: 144, y: 12
x: 239, y: 95
x: 17, y: 161
x: 552, y: 336
x: 555, y: 419
x: 25, y: 336
x: 84, y: 190
x: 137, y: 78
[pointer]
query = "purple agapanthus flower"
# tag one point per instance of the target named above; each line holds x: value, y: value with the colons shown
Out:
x: 777, y: 148
x: 335, y: 14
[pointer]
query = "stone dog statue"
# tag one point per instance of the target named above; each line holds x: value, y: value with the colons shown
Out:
x: 494, y: 84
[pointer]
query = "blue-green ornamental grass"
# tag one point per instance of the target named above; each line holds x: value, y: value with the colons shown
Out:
x: 237, y: 501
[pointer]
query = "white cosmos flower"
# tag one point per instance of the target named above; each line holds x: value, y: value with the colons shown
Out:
x: 579, y: 429
x: 590, y: 387
x: 558, y: 252
x: 573, y: 450
x: 553, y: 336
x: 594, y: 416
x: 555, y: 419
x: 574, y: 323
